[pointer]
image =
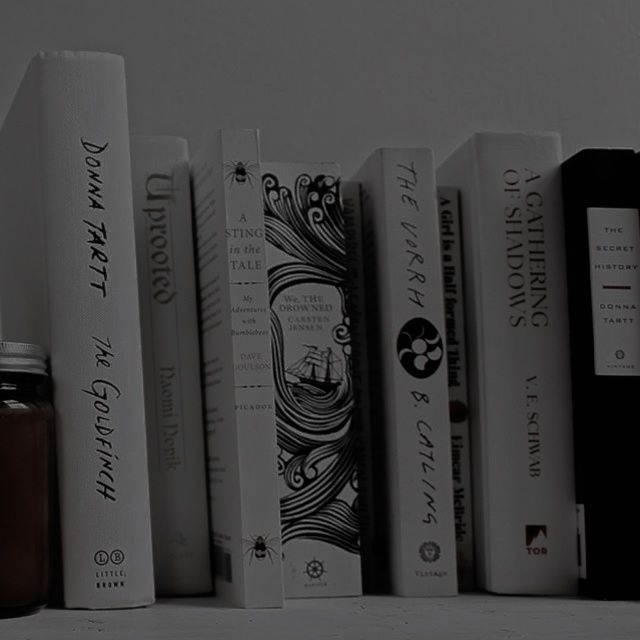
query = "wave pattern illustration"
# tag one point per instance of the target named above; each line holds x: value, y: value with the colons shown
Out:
x: 316, y: 445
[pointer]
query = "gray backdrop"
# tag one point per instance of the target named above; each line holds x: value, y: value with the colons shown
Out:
x: 332, y: 80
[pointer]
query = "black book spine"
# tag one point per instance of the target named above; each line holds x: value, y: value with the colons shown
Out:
x: 601, y: 188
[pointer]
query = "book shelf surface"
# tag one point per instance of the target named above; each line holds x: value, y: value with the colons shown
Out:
x: 473, y: 616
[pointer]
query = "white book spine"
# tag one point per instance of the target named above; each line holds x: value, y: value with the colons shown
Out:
x: 403, y: 242
x: 450, y: 234
x: 237, y: 371
x: 317, y: 442
x: 175, y: 432
x: 517, y: 328
x: 74, y: 234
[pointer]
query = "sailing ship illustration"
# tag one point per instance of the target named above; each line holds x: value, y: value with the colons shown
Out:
x: 318, y: 368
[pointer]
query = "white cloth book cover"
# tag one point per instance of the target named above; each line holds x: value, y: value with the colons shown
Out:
x: 317, y: 457
x: 171, y: 350
x: 69, y: 282
x: 450, y: 235
x: 402, y: 244
x: 518, y: 355
x: 236, y: 368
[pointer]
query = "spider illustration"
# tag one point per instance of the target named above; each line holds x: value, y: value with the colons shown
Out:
x: 260, y: 547
x: 240, y: 172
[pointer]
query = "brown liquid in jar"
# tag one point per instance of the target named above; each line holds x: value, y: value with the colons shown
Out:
x: 26, y: 433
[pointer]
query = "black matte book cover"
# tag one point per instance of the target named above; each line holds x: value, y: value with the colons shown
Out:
x: 602, y: 195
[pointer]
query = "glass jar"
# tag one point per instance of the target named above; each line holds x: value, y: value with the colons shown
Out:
x: 26, y: 467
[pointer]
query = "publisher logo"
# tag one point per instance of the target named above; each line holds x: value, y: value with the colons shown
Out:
x: 536, y: 539
x: 102, y: 557
x: 109, y: 574
x: 429, y: 551
x: 314, y: 569
x: 420, y: 348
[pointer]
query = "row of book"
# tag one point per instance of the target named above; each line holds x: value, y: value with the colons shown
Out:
x: 314, y: 337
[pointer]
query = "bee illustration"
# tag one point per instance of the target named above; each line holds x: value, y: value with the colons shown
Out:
x: 240, y: 172
x: 259, y: 547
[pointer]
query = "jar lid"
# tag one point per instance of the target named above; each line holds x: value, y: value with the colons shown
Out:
x: 22, y: 357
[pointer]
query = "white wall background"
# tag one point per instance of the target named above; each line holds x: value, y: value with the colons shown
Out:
x: 331, y: 80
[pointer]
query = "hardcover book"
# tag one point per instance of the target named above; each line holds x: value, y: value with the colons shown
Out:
x: 175, y: 434
x: 236, y: 368
x: 519, y: 375
x: 449, y: 209
x: 409, y: 382
x: 602, y: 228
x: 68, y: 281
x: 317, y: 455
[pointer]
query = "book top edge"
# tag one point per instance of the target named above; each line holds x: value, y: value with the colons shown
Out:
x: 315, y: 166
x: 217, y: 130
x: 382, y: 150
x: 481, y: 138
x: 77, y: 55
x: 159, y: 139
x: 516, y: 134
x: 603, y: 150
x: 213, y: 136
x: 402, y: 149
x: 210, y: 131
x: 174, y: 148
x: 609, y: 159
x: 253, y: 130
x: 378, y: 155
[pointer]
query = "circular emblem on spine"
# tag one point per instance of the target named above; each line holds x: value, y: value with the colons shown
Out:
x: 458, y: 411
x: 429, y: 551
x: 315, y: 569
x: 419, y: 348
